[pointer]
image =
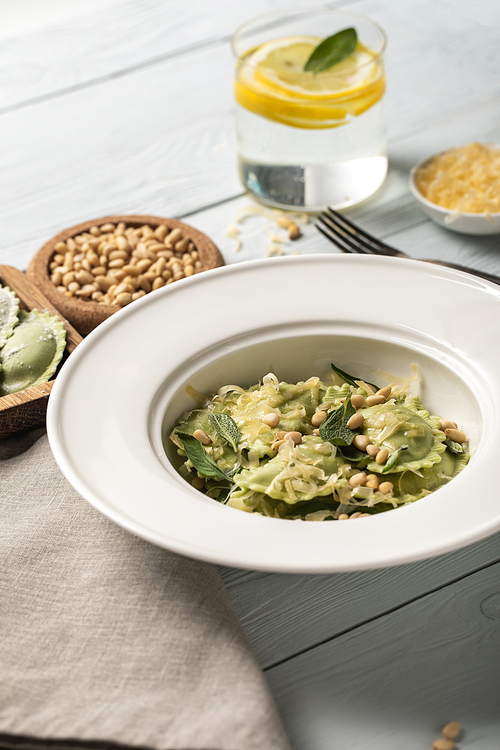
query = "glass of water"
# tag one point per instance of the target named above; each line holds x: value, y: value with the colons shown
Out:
x: 307, y: 140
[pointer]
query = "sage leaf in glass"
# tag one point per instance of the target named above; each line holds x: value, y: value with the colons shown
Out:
x: 331, y: 51
x: 227, y: 428
x: 200, y: 459
x: 335, y: 430
x: 351, y: 379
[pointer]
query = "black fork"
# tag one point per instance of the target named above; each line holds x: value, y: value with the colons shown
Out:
x: 352, y: 239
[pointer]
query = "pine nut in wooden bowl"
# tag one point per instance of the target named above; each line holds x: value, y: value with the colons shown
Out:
x: 92, y: 270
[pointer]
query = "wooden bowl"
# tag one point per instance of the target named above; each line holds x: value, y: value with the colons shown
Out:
x: 86, y: 315
x: 26, y: 409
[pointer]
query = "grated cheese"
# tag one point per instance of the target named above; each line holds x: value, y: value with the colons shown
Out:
x: 465, y: 179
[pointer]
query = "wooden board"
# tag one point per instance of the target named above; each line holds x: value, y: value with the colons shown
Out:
x: 27, y: 409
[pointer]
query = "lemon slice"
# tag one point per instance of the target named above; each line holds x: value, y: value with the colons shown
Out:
x: 270, y: 81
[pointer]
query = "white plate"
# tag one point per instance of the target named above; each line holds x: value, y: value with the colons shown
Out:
x: 125, y: 384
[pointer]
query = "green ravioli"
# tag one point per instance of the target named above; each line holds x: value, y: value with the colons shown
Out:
x: 32, y: 352
x: 9, y: 307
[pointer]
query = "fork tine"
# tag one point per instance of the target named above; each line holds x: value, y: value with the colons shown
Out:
x: 368, y: 241
x: 339, y: 238
x: 335, y: 238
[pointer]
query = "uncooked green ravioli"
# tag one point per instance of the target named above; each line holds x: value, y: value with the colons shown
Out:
x: 9, y: 307
x: 31, y: 344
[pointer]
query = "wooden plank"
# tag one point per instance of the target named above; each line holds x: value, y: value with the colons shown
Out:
x: 119, y: 37
x: 161, y: 141
x: 395, y: 682
x: 284, y: 614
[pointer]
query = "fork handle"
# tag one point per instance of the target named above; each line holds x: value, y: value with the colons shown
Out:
x: 473, y: 271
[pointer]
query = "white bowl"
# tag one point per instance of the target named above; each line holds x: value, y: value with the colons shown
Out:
x: 121, y: 391
x: 467, y: 223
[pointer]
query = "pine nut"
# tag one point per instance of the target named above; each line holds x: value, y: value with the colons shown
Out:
x: 123, y: 288
x: 375, y: 400
x: 355, y: 515
x: 294, y: 231
x: 202, y: 436
x: 272, y: 419
x: 157, y: 283
x: 382, y: 456
x: 372, y: 450
x: 452, y: 730
x: 357, y: 400
x: 372, y: 481
x: 295, y: 436
x: 181, y: 246
x: 275, y: 446
x: 114, y: 254
x: 93, y: 259
x: 358, y: 480
x: 443, y: 744
x: 281, y: 434
x: 160, y: 232
x: 125, y: 298
x: 343, y: 517
x: 318, y: 418
x: 355, y: 421
x: 447, y: 424
x: 361, y: 442
x: 174, y: 236
x: 84, y: 277
x: 456, y: 435
x: 131, y: 270
x: 385, y: 487
x: 385, y: 391
x: 120, y: 259
x: 284, y: 221
x: 316, y: 432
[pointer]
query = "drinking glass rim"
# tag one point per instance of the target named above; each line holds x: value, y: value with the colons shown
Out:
x: 310, y: 9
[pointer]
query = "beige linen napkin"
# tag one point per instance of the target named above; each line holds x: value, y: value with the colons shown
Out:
x: 106, y: 639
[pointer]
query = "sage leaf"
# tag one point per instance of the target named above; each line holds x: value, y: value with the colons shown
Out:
x: 223, y: 495
x: 200, y: 459
x: 353, y: 454
x: 335, y: 429
x: 227, y: 428
x: 351, y: 379
x: 454, y: 447
x: 332, y: 50
x: 393, y: 459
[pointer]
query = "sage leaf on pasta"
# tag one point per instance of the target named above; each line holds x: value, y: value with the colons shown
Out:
x: 335, y: 429
x: 227, y: 428
x: 200, y: 459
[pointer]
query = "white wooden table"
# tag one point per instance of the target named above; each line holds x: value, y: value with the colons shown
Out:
x: 126, y: 107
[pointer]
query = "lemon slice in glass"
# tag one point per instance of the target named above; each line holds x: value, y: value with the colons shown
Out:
x: 270, y: 81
